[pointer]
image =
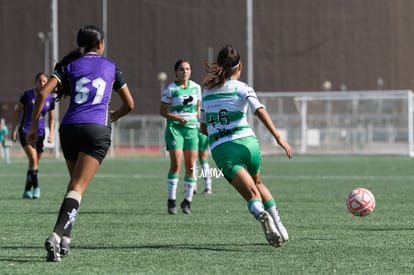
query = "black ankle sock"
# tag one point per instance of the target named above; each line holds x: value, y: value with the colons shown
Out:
x: 28, y: 185
x: 34, y: 177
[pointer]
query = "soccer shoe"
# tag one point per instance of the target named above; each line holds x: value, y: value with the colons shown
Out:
x: 36, y: 193
x: 269, y: 229
x: 172, y: 209
x: 185, y: 206
x: 53, y: 249
x: 282, y: 230
x: 27, y: 194
x: 65, y: 246
x: 207, y: 192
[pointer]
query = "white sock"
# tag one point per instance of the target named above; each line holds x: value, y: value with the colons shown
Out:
x: 74, y: 195
x: 206, y: 175
x: 255, y: 207
x: 189, y: 190
x: 274, y: 213
x: 172, y: 188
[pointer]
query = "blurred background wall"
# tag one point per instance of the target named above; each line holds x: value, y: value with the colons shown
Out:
x: 297, y: 44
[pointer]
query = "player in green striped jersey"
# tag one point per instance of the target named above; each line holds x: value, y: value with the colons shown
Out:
x: 234, y: 145
x: 180, y: 105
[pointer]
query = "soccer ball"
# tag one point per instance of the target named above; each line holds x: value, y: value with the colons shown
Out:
x: 360, y: 202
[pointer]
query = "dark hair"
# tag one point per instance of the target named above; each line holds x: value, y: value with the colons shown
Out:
x: 38, y: 75
x: 179, y: 62
x: 226, y: 64
x: 88, y: 38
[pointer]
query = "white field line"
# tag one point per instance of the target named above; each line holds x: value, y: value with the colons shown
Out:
x: 276, y: 177
x: 99, y: 175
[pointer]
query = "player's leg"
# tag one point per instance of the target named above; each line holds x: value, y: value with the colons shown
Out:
x: 35, y: 172
x: 176, y: 156
x: 190, y: 147
x: 174, y: 141
x: 232, y: 158
x: 205, y: 171
x: 31, y: 174
x: 190, y: 158
x: 6, y: 152
x: 84, y: 170
x: 270, y: 206
x: 244, y: 184
x: 203, y: 154
x: 254, y: 166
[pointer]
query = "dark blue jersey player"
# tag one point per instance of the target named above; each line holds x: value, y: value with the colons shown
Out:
x: 85, y: 134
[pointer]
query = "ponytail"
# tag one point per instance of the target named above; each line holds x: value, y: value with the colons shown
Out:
x: 64, y: 88
x: 228, y: 61
x: 89, y: 37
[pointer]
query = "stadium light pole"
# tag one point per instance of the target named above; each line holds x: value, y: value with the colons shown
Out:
x: 54, y: 27
x: 45, y: 39
x: 249, y: 45
x: 105, y: 24
x: 380, y: 83
x: 105, y: 54
x: 249, y: 15
x: 162, y: 78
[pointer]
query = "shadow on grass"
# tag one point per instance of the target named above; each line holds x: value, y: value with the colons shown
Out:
x: 173, y: 247
x: 211, y: 247
x: 384, y: 229
x: 23, y: 259
x: 132, y: 212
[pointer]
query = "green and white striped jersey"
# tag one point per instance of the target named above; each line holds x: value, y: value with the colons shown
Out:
x: 183, y: 101
x: 224, y: 111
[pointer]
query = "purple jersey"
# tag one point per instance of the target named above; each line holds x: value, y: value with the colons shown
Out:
x: 91, y: 78
x: 28, y: 100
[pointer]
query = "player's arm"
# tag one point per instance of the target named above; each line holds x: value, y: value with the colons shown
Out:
x: 17, y: 114
x: 38, y: 106
x: 165, y: 112
x: 51, y: 126
x: 203, y: 122
x: 264, y: 117
x: 203, y: 129
x: 122, y: 89
x: 127, y: 104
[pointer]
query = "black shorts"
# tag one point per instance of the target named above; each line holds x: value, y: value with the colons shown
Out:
x: 39, y: 143
x: 91, y: 139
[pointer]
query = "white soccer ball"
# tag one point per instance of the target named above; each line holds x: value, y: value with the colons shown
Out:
x: 360, y: 202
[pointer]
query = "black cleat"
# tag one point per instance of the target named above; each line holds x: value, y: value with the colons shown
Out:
x: 53, y: 249
x: 64, y: 246
x: 172, y: 209
x: 185, y: 206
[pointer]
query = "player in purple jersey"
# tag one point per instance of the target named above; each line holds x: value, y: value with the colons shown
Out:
x: 23, y: 118
x: 88, y: 79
